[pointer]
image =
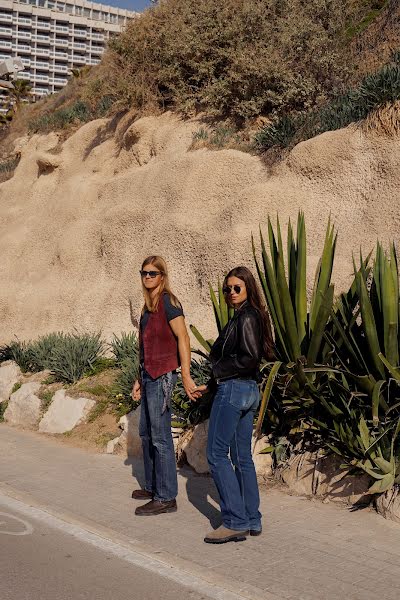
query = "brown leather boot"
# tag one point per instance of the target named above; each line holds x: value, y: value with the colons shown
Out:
x: 155, y: 507
x: 223, y: 535
x: 141, y: 495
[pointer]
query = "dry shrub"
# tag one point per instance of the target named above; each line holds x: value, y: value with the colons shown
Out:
x: 237, y: 59
x: 385, y: 120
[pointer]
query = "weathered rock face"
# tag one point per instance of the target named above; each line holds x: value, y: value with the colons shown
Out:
x: 65, y: 413
x: 24, y: 407
x: 151, y: 194
x: 309, y: 475
x: 10, y: 374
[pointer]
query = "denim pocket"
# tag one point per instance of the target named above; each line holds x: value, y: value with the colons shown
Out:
x: 244, y: 394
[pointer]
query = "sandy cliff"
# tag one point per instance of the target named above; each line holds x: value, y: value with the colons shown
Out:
x: 77, y: 219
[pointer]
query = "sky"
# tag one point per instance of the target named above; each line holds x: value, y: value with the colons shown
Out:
x: 137, y: 5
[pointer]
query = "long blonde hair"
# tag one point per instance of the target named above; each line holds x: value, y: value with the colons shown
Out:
x: 152, y: 303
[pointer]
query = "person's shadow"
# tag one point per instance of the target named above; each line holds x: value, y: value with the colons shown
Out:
x: 199, y: 488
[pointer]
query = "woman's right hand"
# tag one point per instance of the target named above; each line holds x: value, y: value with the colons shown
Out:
x: 136, y: 391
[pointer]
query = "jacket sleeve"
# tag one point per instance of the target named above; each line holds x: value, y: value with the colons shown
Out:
x: 248, y: 353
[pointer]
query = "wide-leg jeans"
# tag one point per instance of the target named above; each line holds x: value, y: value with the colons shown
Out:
x: 230, y: 433
x: 158, y: 447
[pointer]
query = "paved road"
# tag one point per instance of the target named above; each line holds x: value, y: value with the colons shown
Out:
x: 309, y: 551
x: 40, y: 562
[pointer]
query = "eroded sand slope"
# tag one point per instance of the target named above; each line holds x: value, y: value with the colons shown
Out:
x: 76, y: 223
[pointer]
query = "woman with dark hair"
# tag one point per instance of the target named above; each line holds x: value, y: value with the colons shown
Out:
x: 235, y: 359
x: 164, y: 345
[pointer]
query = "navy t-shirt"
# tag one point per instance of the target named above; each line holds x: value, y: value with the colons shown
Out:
x: 171, y: 312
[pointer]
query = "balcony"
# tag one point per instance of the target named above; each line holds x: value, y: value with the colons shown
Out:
x: 5, y: 44
x: 58, y: 54
x: 97, y: 36
x: 80, y: 33
x: 24, y: 35
x: 24, y: 48
x: 43, y: 25
x: 79, y: 60
x: 42, y: 52
x: 24, y: 75
x: 42, y: 65
x: 24, y: 21
x: 58, y: 42
x: 94, y: 61
x: 43, y: 39
x: 4, y: 56
x: 97, y: 49
x: 79, y: 46
x: 39, y: 91
x: 60, y: 81
x: 5, y: 17
x: 5, y: 31
x: 41, y: 78
x: 60, y: 68
x: 60, y: 29
x: 26, y: 62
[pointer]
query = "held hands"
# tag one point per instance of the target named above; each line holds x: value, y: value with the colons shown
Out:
x: 200, y: 391
x: 136, y: 391
x: 190, y: 387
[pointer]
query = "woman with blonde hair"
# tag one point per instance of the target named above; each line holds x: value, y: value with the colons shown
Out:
x: 164, y: 346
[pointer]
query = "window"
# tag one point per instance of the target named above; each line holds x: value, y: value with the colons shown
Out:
x: 96, y: 15
x: 69, y: 9
x: 61, y: 6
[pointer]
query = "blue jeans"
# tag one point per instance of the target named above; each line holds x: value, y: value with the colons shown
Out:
x: 156, y: 436
x: 230, y: 431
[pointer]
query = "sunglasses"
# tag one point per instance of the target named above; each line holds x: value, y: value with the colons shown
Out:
x: 151, y: 274
x: 229, y: 288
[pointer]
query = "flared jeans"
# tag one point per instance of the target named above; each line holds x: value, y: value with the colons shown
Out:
x: 229, y: 453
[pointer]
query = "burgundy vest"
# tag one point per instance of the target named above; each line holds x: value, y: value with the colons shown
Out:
x: 159, y: 344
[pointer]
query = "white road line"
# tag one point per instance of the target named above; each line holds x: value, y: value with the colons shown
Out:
x: 143, y: 561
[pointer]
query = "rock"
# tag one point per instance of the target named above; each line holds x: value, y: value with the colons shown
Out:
x: 262, y: 462
x: 10, y: 374
x: 130, y: 438
x: 195, y: 447
x: 112, y: 445
x: 65, y: 413
x: 24, y: 406
x: 388, y: 504
x: 308, y: 474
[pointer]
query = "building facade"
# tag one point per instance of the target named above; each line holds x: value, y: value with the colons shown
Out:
x: 52, y: 37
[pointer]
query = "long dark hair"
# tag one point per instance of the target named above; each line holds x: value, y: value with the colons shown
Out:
x: 255, y: 300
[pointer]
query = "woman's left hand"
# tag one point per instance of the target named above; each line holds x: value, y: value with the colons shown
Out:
x: 190, y: 387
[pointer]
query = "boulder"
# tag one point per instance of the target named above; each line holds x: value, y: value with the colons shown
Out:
x: 113, y: 445
x: 10, y: 374
x: 311, y: 474
x: 195, y: 448
x: 262, y: 462
x: 388, y: 504
x: 130, y: 439
x: 65, y: 413
x: 24, y: 406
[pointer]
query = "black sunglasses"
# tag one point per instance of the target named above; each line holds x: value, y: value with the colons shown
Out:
x: 228, y: 289
x: 151, y: 274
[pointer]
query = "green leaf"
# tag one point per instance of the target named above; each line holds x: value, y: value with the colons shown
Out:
x: 266, y: 396
x: 376, y: 398
x: 200, y: 338
x: 383, y: 485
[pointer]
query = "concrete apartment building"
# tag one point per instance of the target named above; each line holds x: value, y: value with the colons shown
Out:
x: 54, y: 36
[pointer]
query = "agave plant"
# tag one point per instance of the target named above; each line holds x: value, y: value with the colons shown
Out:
x: 299, y: 332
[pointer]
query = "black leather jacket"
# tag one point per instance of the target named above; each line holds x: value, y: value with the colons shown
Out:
x: 237, y: 352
